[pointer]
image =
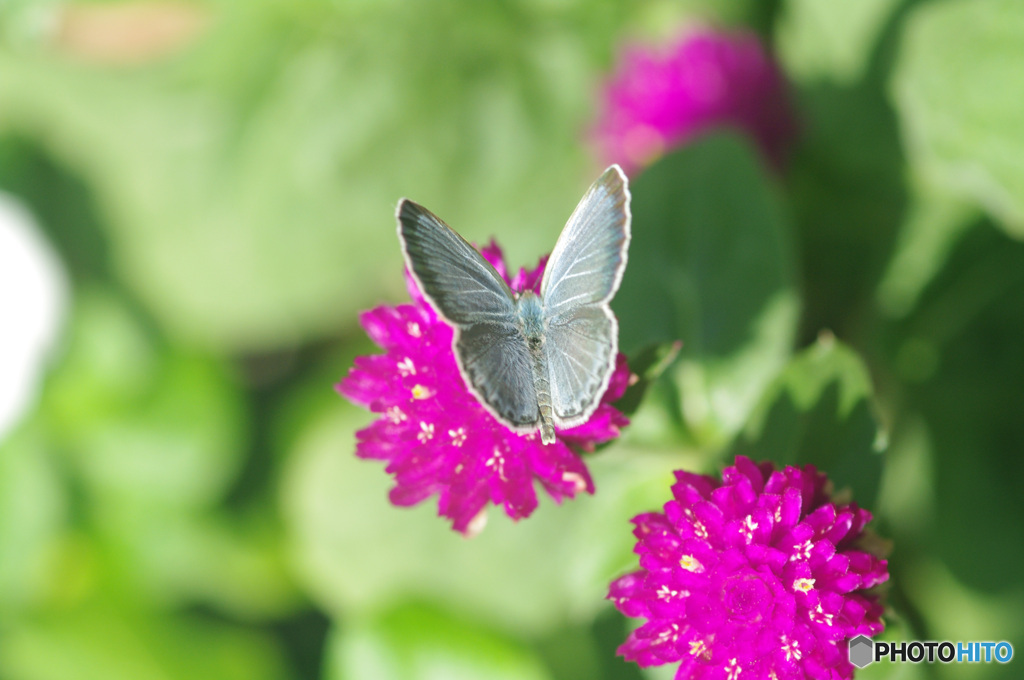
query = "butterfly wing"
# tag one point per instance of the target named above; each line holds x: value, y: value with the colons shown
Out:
x: 581, y: 277
x: 461, y: 285
x: 581, y: 347
x: 471, y: 296
x: 497, y: 365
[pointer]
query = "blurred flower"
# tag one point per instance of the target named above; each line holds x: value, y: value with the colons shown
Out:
x: 756, y: 576
x: 33, y: 297
x: 659, y: 100
x: 436, y: 436
x: 129, y: 32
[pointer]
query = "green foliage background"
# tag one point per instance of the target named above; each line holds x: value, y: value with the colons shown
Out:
x: 183, y: 501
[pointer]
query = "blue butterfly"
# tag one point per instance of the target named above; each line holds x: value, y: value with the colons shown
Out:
x: 535, y: 362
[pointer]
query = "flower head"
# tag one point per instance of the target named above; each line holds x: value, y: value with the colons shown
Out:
x: 658, y: 100
x: 756, y: 576
x: 438, y: 439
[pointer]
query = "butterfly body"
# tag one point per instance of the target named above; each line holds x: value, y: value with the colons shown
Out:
x: 534, y: 361
x: 533, y: 328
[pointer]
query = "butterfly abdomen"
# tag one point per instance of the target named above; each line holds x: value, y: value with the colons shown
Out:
x: 547, y: 423
x: 542, y: 383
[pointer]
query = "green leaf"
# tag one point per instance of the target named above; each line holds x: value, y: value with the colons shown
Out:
x: 958, y: 89
x: 662, y: 672
x: 101, y: 643
x: 952, y: 610
x: 151, y: 438
x: 968, y: 325
x: 848, y: 190
x: 934, y: 224
x: 820, y: 410
x: 236, y: 566
x: 830, y: 40
x: 711, y: 264
x: 423, y: 643
x: 143, y: 423
x: 62, y: 204
x: 33, y: 510
x: 647, y: 365
x: 356, y: 553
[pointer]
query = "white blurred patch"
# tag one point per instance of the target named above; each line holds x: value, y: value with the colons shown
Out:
x: 33, y: 301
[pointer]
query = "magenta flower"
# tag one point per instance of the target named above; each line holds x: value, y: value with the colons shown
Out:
x: 754, y: 577
x: 658, y: 100
x: 438, y: 439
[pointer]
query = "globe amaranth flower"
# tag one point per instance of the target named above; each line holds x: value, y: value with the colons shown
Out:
x: 438, y: 439
x: 658, y: 100
x: 757, y: 576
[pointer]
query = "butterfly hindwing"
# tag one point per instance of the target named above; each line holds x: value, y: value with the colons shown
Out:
x: 582, y: 346
x: 498, y: 366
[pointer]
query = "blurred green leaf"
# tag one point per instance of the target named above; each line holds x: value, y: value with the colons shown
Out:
x: 167, y: 558
x: 660, y: 22
x: 647, y: 366
x: 663, y: 672
x: 423, y: 643
x: 577, y: 651
x: 33, y: 511
x: 847, y: 188
x: 61, y: 202
x: 356, y: 553
x: 830, y: 40
x: 150, y: 438
x: 105, y: 644
x: 958, y: 89
x: 906, y: 495
x: 954, y: 611
x: 968, y: 325
x: 934, y: 223
x: 145, y: 424
x: 820, y: 410
x: 711, y: 264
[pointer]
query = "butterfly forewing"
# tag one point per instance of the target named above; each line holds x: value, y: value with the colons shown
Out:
x: 467, y: 291
x: 581, y: 277
x: 587, y: 263
x: 457, y: 280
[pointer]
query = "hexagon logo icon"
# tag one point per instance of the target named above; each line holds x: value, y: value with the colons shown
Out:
x: 861, y: 651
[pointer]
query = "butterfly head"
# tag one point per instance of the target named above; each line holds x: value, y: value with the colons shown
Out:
x: 531, y: 319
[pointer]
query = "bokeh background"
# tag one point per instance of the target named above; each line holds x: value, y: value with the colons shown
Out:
x: 196, y: 200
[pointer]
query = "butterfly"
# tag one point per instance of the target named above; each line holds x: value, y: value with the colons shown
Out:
x: 533, y: 361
